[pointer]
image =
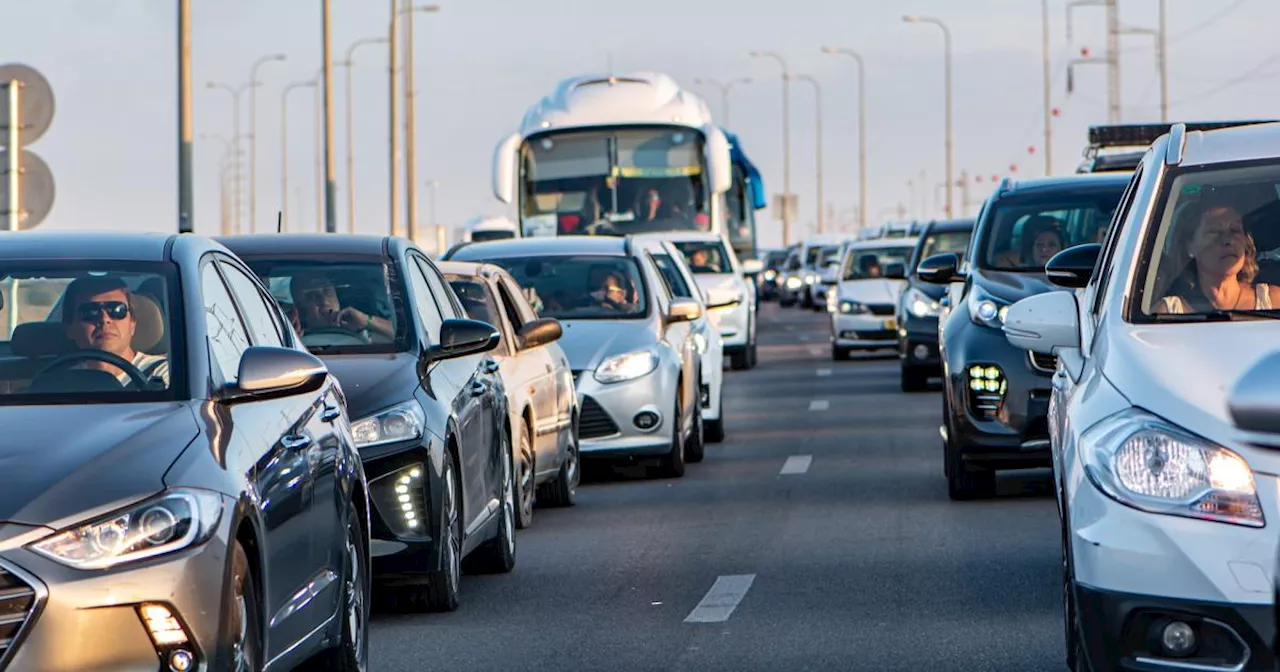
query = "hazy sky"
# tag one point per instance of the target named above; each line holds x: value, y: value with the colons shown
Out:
x: 481, y: 63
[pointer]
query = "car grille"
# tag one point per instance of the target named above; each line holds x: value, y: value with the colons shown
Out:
x: 594, y: 422
x: 17, y: 602
x: 1042, y: 362
x: 880, y: 308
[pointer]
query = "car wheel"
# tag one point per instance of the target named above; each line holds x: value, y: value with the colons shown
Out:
x: 564, y: 489
x: 914, y: 379
x: 963, y: 481
x: 740, y: 360
x: 498, y: 555
x: 245, y: 626
x: 441, y: 592
x: 714, y: 429
x: 352, y: 652
x: 696, y: 444
x: 839, y: 354
x: 525, y: 471
x: 673, y: 463
x: 753, y: 355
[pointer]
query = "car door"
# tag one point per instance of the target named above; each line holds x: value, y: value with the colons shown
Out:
x: 280, y: 435
x: 536, y: 375
x: 678, y: 334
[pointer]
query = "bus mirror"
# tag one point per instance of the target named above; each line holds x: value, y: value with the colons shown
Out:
x: 719, y: 163
x: 504, y: 168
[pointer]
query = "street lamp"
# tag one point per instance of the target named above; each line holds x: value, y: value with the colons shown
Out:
x: 946, y: 37
x: 235, y: 123
x: 724, y: 91
x: 862, y: 130
x: 350, y: 65
x: 441, y: 242
x: 230, y: 153
x: 410, y: 139
x: 185, y: 223
x: 786, y: 142
x: 817, y: 105
x: 253, y: 139
x: 284, y: 148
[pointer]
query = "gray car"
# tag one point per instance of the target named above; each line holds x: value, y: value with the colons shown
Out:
x: 630, y: 344
x: 182, y: 490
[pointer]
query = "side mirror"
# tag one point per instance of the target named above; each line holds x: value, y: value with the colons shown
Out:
x: 267, y: 372
x: 752, y: 267
x: 1254, y: 401
x: 539, y: 332
x: 940, y: 269
x: 831, y: 274
x: 895, y: 271
x: 459, y: 338
x: 1072, y: 267
x: 722, y: 303
x: 719, y: 163
x: 684, y: 310
x: 1044, y: 322
x: 504, y: 168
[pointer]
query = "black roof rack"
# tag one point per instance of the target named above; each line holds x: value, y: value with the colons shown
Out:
x: 1141, y: 135
x: 450, y: 252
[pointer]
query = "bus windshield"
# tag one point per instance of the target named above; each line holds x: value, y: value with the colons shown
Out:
x: 614, y: 182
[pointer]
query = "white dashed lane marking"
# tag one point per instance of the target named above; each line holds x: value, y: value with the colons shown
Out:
x: 796, y: 464
x: 819, y: 405
x: 824, y: 372
x: 719, y: 602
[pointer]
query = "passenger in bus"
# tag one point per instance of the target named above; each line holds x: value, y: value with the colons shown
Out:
x: 1221, y: 265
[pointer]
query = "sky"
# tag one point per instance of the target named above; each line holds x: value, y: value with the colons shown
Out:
x: 112, y: 146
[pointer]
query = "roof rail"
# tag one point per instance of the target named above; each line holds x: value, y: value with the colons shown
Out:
x: 627, y: 244
x: 1141, y: 135
x: 452, y: 250
x: 1177, y: 141
x: 1006, y: 185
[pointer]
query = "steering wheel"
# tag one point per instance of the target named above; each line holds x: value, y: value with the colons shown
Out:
x: 65, y: 361
x: 338, y: 336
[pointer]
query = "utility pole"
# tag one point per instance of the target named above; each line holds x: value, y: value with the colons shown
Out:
x: 330, y: 170
x: 185, y: 220
x: 1163, y: 58
x: 817, y: 105
x: 410, y: 135
x: 393, y: 105
x: 1113, y: 61
x: 1048, y: 100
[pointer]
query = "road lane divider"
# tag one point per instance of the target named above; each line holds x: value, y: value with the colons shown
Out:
x: 719, y: 602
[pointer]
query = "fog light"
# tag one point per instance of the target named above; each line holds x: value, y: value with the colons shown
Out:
x: 162, y: 625
x: 180, y: 660
x: 400, y: 497
x: 646, y: 420
x: 1178, y: 639
x: 920, y: 351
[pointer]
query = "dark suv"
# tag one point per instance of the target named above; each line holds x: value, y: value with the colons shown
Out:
x: 920, y: 304
x: 996, y: 396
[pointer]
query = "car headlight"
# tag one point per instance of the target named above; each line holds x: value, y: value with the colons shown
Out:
x: 793, y: 282
x: 627, y: 366
x: 985, y: 309
x: 1142, y: 461
x: 852, y: 307
x: 810, y: 278
x: 171, y: 521
x: 833, y: 301
x: 770, y: 275
x: 920, y: 304
x: 402, y: 422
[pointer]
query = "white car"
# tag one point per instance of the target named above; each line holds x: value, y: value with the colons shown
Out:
x: 1164, y: 416
x: 871, y: 276
x: 722, y: 279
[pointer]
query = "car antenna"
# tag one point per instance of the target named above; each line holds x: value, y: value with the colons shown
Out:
x: 279, y: 221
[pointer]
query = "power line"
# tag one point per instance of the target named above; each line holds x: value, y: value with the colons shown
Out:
x: 1223, y: 13
x: 1235, y: 81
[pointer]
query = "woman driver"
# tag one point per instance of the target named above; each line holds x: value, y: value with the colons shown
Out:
x: 1223, y: 263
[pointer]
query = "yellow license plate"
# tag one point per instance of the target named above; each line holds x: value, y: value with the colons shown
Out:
x: 891, y: 324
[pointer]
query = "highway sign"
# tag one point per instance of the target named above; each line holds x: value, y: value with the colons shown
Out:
x: 37, y: 102
x: 37, y: 190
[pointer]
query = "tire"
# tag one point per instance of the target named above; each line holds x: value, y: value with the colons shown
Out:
x: 441, y: 593
x: 839, y: 354
x: 524, y: 471
x: 713, y: 430
x: 352, y: 651
x: 740, y: 361
x: 965, y: 483
x: 673, y: 462
x: 244, y: 625
x: 564, y: 489
x: 498, y: 555
x: 914, y: 379
x: 696, y: 444
x: 753, y: 354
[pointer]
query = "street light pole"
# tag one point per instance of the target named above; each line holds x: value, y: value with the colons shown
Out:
x: 185, y: 219
x: 817, y: 93
x: 862, y: 131
x: 330, y: 171
x: 786, y: 142
x: 946, y: 39
x: 1048, y: 97
x: 410, y: 125
x: 235, y: 131
x: 724, y: 91
x: 284, y: 150
x: 431, y: 212
x: 319, y: 133
x: 350, y: 65
x: 393, y: 103
x: 253, y: 138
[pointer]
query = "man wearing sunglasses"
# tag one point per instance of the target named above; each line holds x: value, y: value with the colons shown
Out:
x: 98, y: 315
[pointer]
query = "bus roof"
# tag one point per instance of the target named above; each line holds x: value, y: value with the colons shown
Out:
x: 635, y: 98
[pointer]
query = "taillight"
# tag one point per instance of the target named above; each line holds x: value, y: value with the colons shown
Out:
x: 568, y: 223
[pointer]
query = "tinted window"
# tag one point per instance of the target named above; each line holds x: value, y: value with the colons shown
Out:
x: 481, y: 236
x: 228, y: 338
x: 424, y: 303
x: 258, y: 313
x: 671, y: 275
x: 1024, y: 232
x: 475, y: 297
x: 705, y: 257
x: 440, y: 290
x: 581, y: 287
x: 870, y: 262
x: 945, y: 242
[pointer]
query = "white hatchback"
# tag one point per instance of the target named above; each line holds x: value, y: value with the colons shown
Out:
x: 1164, y: 415
x: 864, y: 302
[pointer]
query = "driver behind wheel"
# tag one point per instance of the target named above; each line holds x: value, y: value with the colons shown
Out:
x: 615, y: 291
x: 316, y: 300
x: 98, y: 315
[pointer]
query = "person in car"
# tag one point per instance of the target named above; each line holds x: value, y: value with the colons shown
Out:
x: 615, y: 292
x: 97, y: 313
x: 869, y: 267
x: 700, y: 262
x: 315, y: 299
x: 1222, y: 264
x: 1041, y: 239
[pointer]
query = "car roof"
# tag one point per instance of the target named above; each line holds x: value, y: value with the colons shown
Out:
x: 542, y: 246
x: 114, y: 246
x: 1236, y: 143
x: 677, y: 236
x: 1066, y: 182
x: 884, y: 242
x: 291, y: 244
x: 948, y: 225
x: 470, y: 268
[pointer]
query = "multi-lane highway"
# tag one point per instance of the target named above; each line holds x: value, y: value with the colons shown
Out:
x: 818, y: 536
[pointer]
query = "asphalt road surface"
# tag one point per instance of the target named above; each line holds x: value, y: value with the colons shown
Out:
x: 818, y: 536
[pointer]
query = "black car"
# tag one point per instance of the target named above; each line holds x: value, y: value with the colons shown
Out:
x: 920, y: 304
x: 996, y: 396
x: 771, y: 278
x: 430, y: 409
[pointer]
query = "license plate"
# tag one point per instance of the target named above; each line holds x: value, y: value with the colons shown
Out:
x: 891, y: 324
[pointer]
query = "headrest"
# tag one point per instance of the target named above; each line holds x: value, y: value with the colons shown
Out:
x: 149, y: 337
x: 40, y: 339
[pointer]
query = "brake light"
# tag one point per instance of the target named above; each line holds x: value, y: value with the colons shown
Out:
x: 568, y: 223
x: 702, y: 221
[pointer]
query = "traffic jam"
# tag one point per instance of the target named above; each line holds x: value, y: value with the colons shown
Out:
x: 279, y: 450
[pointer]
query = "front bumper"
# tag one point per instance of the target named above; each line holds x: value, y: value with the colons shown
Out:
x: 79, y: 620
x: 607, y: 419
x: 733, y: 323
x: 996, y: 430
x: 918, y: 343
x: 402, y: 542
x: 863, y: 330
x: 1133, y: 568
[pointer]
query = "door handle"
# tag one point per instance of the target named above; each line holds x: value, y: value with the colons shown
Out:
x: 490, y: 366
x: 478, y: 389
x: 296, y: 442
x: 330, y: 413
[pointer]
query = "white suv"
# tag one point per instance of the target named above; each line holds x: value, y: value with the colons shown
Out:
x: 1165, y: 411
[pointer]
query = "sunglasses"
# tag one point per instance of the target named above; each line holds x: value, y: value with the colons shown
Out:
x: 90, y: 311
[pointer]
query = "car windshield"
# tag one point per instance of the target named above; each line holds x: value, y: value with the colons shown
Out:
x: 944, y: 242
x: 812, y: 257
x: 870, y: 262
x: 705, y: 257
x: 475, y: 296
x: 333, y: 303
x: 88, y: 333
x: 1217, y: 247
x: 482, y: 236
x: 1024, y: 232
x: 581, y: 287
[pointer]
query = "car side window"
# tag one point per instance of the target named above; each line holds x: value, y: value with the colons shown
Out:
x: 262, y: 320
x: 1103, y: 271
x: 449, y: 308
x: 518, y: 300
x: 424, y: 301
x: 661, y: 293
x: 508, y: 307
x: 228, y: 338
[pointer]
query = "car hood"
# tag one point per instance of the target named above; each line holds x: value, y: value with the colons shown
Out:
x: 1012, y: 287
x: 374, y: 382
x: 67, y: 464
x: 1184, y: 372
x: 718, y: 287
x: 871, y: 290
x: 587, y: 342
